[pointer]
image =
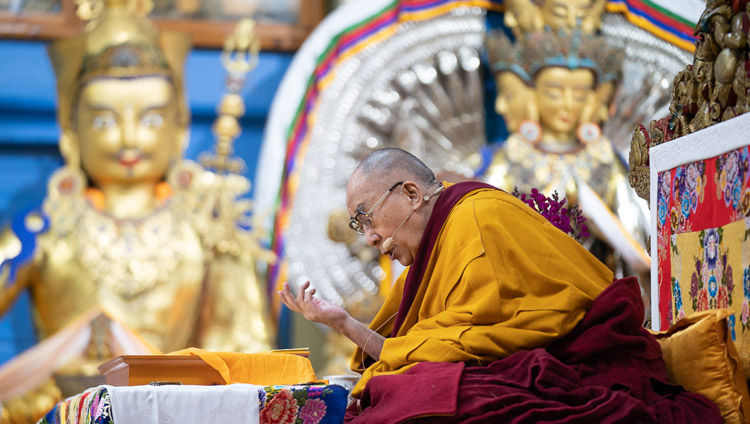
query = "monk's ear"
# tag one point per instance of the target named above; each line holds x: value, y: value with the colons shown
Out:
x: 412, y: 190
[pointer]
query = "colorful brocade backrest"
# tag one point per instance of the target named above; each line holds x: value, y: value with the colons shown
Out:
x: 700, y: 206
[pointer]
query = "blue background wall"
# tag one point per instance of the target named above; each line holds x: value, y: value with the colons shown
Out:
x: 29, y: 133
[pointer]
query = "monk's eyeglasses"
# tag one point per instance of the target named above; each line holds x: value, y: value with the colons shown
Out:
x: 363, y: 220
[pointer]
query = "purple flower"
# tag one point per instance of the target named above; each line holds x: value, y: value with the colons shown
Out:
x: 729, y: 279
x: 694, y: 286
x: 95, y: 405
x: 314, y: 392
x: 568, y: 220
x: 313, y: 411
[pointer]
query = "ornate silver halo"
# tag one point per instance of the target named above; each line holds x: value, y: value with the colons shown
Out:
x: 420, y: 90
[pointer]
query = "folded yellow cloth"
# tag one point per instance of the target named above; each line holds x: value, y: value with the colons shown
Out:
x: 263, y: 369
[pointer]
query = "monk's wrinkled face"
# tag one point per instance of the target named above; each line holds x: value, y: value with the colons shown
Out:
x: 362, y: 192
x: 128, y: 130
x: 561, y: 95
x: 512, y: 99
x: 567, y: 14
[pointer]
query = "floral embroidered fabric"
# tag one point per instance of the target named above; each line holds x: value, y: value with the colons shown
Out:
x: 307, y: 404
x: 92, y: 406
x: 703, y: 224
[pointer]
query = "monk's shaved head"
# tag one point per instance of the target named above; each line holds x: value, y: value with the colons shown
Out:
x: 392, y: 220
x: 394, y: 162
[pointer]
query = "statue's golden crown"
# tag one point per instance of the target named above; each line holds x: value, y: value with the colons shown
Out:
x: 534, y: 51
x: 120, y: 42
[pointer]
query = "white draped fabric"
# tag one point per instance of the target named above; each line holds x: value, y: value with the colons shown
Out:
x: 235, y: 403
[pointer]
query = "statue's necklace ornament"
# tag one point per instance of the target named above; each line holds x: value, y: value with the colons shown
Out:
x: 125, y: 256
x: 534, y: 167
x: 129, y: 256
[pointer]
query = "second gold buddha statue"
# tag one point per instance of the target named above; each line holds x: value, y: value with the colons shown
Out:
x: 552, y: 89
x: 155, y: 242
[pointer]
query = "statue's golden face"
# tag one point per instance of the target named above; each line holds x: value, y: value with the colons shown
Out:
x: 512, y: 98
x: 128, y: 130
x: 567, y: 14
x: 561, y: 96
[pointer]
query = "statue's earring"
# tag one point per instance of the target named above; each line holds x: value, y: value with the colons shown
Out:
x: 530, y: 131
x: 183, y: 174
x: 67, y: 181
x: 65, y: 201
x: 589, y: 133
x: 70, y: 179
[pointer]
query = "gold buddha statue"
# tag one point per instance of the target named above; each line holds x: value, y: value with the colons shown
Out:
x: 529, y: 16
x: 565, y: 82
x: 151, y: 241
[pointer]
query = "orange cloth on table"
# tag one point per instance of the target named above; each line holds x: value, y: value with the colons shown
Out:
x: 500, y: 279
x: 263, y: 369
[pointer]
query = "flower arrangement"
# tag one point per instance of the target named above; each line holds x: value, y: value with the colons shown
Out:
x: 569, y: 220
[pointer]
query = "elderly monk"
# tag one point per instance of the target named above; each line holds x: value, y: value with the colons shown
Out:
x: 488, y: 277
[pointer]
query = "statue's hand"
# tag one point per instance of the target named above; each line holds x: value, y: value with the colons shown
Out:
x: 10, y: 247
x: 313, y: 308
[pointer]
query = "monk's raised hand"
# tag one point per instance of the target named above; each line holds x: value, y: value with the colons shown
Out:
x: 313, y: 308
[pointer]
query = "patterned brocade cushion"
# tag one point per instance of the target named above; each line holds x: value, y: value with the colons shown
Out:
x: 701, y: 357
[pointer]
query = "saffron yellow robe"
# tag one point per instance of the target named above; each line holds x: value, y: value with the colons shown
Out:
x: 500, y: 279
